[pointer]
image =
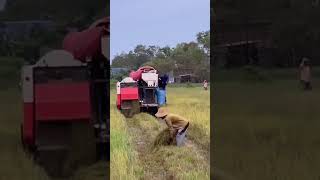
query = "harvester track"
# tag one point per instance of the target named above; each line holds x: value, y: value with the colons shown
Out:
x: 144, y: 143
x: 61, y: 161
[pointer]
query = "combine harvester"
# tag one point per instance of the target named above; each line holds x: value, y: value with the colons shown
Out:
x: 66, y: 101
x: 138, y: 93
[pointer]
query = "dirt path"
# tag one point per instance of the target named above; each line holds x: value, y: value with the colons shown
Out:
x: 142, y: 142
x: 156, y: 164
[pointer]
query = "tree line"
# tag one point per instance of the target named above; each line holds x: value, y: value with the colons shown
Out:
x: 187, y: 57
x: 295, y: 28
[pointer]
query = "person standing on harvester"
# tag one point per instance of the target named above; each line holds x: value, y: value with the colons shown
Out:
x: 162, y: 83
x: 177, y: 126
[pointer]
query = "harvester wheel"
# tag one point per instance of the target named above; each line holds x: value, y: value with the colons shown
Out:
x: 54, y: 163
x: 153, y: 110
x: 150, y: 110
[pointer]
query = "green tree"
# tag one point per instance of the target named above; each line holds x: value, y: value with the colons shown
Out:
x: 164, y: 65
x: 192, y: 57
x: 203, y: 39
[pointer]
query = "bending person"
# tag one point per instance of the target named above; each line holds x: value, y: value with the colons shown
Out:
x: 177, y: 126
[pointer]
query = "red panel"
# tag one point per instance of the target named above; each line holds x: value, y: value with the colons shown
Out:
x: 84, y: 44
x: 129, y: 93
x: 118, y: 101
x: 136, y: 75
x: 62, y: 101
x: 28, y: 123
x: 87, y: 43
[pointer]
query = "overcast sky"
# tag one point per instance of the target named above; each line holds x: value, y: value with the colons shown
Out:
x: 2, y: 4
x: 156, y: 22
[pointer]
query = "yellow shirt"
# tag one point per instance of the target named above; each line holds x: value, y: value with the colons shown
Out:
x: 175, y: 122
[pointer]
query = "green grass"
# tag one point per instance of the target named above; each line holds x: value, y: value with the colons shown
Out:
x: 249, y: 74
x: 133, y: 155
x: 15, y: 163
x: 124, y: 161
x: 10, y: 71
x: 266, y: 130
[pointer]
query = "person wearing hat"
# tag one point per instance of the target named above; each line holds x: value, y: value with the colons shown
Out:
x: 205, y: 85
x: 305, y: 74
x: 177, y: 126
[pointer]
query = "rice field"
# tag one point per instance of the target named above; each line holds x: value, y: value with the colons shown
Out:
x: 134, y: 153
x: 267, y: 130
x: 15, y: 163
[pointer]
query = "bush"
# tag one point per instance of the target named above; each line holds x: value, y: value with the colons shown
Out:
x: 120, y: 75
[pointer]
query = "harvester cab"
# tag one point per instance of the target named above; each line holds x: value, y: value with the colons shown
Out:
x: 66, y: 101
x: 138, y: 92
x: 148, y: 84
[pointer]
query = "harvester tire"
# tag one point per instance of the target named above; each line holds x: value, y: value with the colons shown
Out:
x: 153, y: 110
x: 150, y: 110
x: 54, y: 163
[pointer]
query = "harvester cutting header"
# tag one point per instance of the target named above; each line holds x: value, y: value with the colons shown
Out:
x: 139, y: 92
x: 67, y: 90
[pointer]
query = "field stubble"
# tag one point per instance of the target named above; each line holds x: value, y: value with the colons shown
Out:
x: 133, y: 155
x: 267, y: 130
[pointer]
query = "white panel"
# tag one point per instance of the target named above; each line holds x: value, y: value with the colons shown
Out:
x: 58, y: 58
x: 27, y: 84
x: 151, y: 79
x: 128, y: 80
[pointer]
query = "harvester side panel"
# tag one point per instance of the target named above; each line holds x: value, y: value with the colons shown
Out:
x: 28, y: 106
x: 118, y: 101
x: 129, y: 93
x: 28, y: 123
x: 149, y: 96
x: 62, y: 101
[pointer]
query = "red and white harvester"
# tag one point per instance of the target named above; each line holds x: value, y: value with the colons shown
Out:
x: 138, y: 92
x: 66, y: 99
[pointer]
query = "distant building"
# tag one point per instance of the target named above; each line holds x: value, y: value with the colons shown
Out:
x: 116, y: 71
x: 241, y: 43
x: 186, y: 78
x: 184, y: 75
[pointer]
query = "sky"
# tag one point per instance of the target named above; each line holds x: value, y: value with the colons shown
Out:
x: 156, y: 22
x: 2, y: 4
